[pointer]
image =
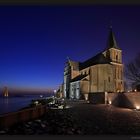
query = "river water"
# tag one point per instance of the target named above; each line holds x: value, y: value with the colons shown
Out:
x: 11, y: 104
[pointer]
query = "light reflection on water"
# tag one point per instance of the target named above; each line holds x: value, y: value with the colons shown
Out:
x: 6, y: 103
x: 10, y: 104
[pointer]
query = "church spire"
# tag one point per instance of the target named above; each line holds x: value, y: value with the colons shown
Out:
x: 111, y: 40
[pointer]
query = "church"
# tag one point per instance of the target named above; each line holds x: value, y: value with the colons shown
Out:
x: 99, y: 74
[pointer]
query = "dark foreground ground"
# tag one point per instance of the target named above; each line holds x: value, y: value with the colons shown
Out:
x: 82, y: 119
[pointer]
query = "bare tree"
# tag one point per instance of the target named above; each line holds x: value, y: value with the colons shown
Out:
x: 132, y: 71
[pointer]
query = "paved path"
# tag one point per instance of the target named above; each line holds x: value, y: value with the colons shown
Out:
x: 107, y: 119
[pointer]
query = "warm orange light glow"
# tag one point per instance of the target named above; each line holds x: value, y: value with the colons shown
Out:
x: 137, y: 107
x: 86, y: 97
x: 110, y: 102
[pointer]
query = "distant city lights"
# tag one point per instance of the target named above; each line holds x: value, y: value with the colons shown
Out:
x: 54, y: 91
x: 41, y: 96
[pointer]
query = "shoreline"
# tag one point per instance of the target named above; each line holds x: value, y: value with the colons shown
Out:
x: 13, y: 103
x: 10, y: 119
x: 80, y: 119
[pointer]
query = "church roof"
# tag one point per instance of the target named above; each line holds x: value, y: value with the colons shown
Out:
x: 111, y: 43
x: 78, y: 78
x: 98, y: 59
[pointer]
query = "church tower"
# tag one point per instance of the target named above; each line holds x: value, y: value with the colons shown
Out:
x: 114, y: 54
x: 71, y: 70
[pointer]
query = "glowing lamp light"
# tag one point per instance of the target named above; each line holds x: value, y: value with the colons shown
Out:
x: 36, y: 102
x: 135, y: 90
x: 137, y: 107
x: 41, y: 96
x: 110, y: 102
x: 86, y: 98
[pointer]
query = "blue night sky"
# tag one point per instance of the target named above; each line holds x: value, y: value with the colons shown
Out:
x: 35, y: 41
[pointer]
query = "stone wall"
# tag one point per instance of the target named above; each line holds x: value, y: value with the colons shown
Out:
x: 125, y: 100
x: 97, y: 98
x: 84, y: 87
x: 12, y: 118
x: 102, y: 78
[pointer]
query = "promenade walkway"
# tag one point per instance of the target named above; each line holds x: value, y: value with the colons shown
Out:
x: 81, y: 118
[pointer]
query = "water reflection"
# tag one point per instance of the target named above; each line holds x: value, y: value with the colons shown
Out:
x: 6, y: 100
x: 10, y: 104
x: 6, y: 103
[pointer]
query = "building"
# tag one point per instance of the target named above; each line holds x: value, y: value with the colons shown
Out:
x: 101, y: 73
x: 59, y: 93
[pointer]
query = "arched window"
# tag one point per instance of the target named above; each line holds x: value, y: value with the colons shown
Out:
x: 121, y: 74
x: 108, y: 79
x: 117, y: 57
x: 116, y: 69
x: 118, y: 72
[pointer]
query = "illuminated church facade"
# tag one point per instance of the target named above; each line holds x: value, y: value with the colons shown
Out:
x: 101, y: 73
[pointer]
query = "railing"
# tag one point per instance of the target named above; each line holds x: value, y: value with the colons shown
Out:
x: 12, y: 118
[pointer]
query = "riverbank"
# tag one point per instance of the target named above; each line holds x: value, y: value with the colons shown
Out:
x: 13, y: 104
x: 81, y: 118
